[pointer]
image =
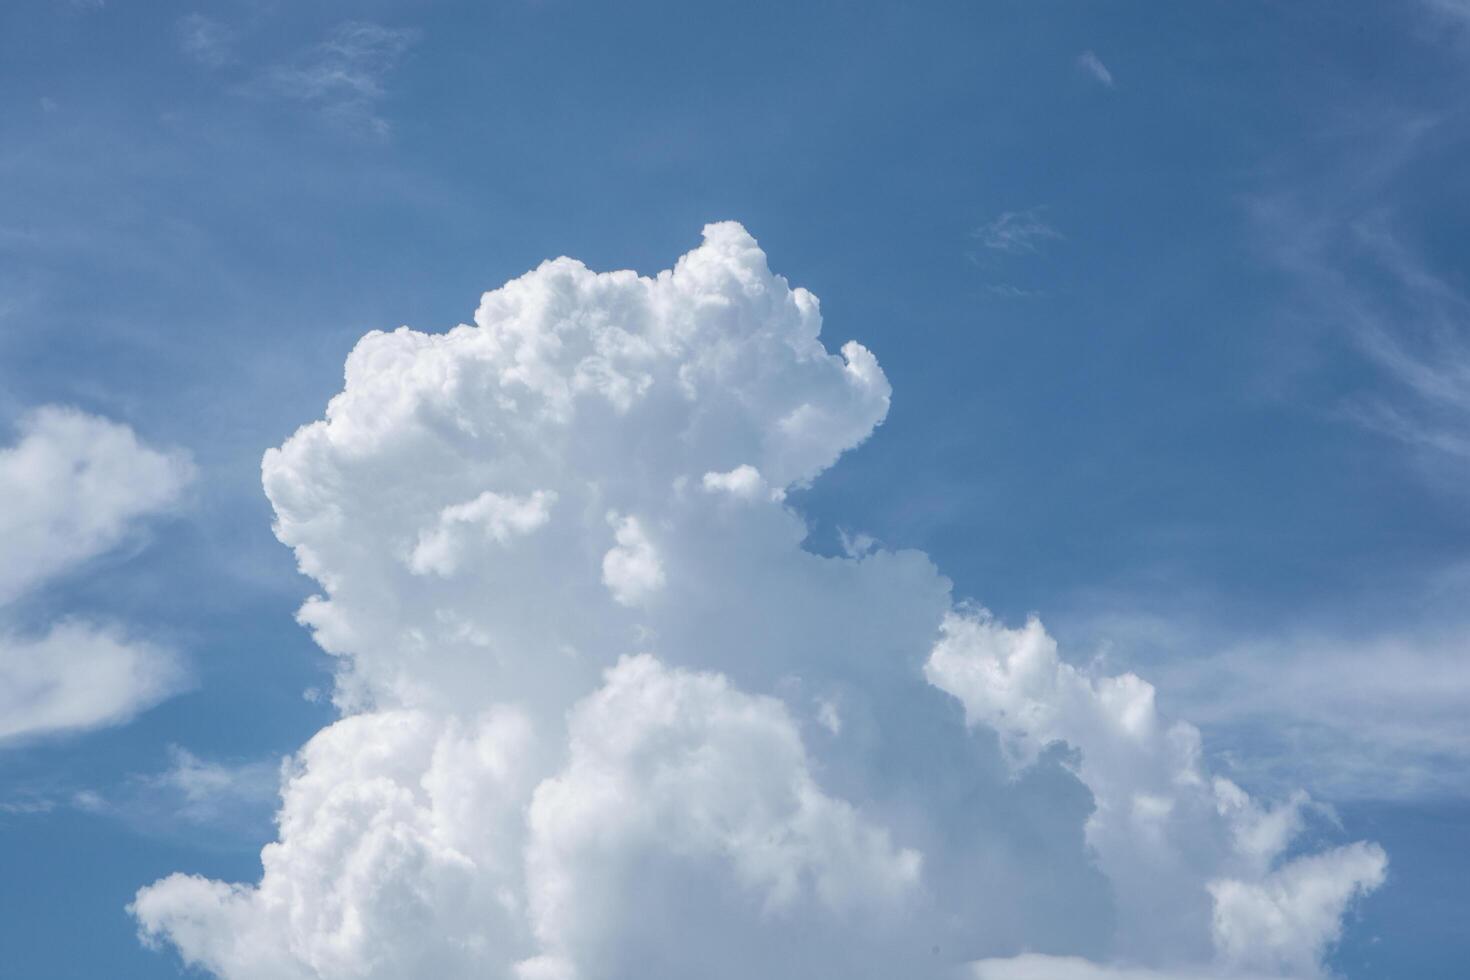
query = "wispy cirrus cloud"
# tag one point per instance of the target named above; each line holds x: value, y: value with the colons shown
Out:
x: 206, y: 40
x: 1356, y: 271
x: 1090, y: 63
x: 214, y: 802
x: 1351, y: 712
x: 206, y: 791
x: 1454, y: 10
x: 1017, y: 232
x: 344, y: 76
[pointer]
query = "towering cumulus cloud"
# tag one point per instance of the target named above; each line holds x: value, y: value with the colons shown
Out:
x: 604, y: 717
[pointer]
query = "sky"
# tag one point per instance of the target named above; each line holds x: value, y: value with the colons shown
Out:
x: 1011, y: 521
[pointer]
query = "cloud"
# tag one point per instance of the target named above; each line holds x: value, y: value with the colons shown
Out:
x: 75, y: 485
x: 1092, y: 64
x: 80, y: 676
x: 602, y: 739
x: 1160, y: 822
x: 1352, y: 246
x: 205, y: 41
x: 1039, y: 966
x: 208, y: 803
x: 1357, y: 714
x: 344, y: 76
x: 1379, y: 318
x: 203, y: 791
x: 631, y: 569
x: 1455, y: 11
x: 1290, y: 917
x: 1016, y: 232
x: 1426, y: 353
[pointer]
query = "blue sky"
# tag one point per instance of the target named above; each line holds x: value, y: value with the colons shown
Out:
x: 1173, y: 300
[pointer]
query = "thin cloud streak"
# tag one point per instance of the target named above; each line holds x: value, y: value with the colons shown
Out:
x: 1089, y: 62
x: 1016, y: 232
x: 205, y: 41
x: 344, y: 77
x: 1355, y: 274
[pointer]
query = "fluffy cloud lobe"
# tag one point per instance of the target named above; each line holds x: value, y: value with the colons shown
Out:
x: 604, y: 716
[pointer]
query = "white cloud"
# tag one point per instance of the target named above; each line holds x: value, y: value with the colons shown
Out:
x: 1288, y: 919
x: 397, y: 858
x: 1089, y: 62
x: 80, y: 676
x: 1016, y: 232
x: 568, y: 752
x: 1161, y: 823
x: 1039, y: 966
x: 74, y: 485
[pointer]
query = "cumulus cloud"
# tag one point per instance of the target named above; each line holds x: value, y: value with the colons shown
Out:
x: 75, y: 485
x: 1287, y: 919
x: 590, y: 685
x: 1161, y: 824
